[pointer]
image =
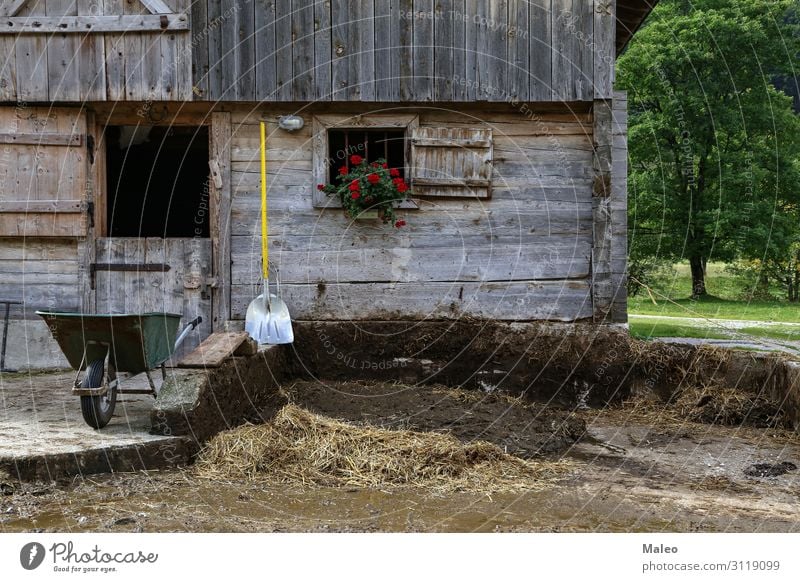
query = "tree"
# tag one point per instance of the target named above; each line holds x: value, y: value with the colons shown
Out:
x: 713, y: 143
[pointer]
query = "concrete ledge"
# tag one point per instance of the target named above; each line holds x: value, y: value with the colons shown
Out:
x: 199, y: 404
x: 155, y: 454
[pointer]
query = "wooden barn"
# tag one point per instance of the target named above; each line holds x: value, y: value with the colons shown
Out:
x: 129, y: 162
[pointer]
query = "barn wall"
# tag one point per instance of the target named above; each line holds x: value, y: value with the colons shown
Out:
x: 403, y: 50
x: 619, y: 206
x: 522, y: 255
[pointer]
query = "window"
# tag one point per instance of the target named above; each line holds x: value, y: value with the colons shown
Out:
x: 157, y: 181
x: 372, y: 144
x: 372, y: 136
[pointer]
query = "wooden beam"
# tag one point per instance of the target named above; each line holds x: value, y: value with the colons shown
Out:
x: 216, y: 349
x: 602, y: 286
x: 93, y: 24
x: 156, y: 6
x: 34, y: 139
x: 11, y: 7
x: 221, y: 196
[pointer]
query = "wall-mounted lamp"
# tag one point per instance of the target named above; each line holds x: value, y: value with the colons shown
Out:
x: 291, y: 123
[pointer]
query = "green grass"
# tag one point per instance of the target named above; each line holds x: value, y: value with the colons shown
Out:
x: 650, y: 328
x: 777, y: 332
x: 724, y: 301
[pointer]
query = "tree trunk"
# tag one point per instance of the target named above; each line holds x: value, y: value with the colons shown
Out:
x: 698, y: 277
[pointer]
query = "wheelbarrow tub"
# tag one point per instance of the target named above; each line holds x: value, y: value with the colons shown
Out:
x: 138, y: 342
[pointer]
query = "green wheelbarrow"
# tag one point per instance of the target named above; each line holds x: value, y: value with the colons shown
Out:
x: 105, y: 346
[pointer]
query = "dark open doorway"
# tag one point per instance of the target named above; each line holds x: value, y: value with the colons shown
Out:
x: 157, y: 181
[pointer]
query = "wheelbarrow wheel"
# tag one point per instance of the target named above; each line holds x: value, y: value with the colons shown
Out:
x: 98, y: 410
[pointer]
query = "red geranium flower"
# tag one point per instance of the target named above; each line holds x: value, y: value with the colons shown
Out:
x: 355, y: 186
x: 320, y: 187
x: 394, y: 172
x: 355, y: 159
x: 384, y: 165
x: 355, y: 195
x: 373, y: 178
x: 343, y: 170
x: 399, y: 223
x: 397, y: 181
x: 402, y: 187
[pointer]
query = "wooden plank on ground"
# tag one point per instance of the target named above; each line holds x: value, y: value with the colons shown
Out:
x: 215, y: 349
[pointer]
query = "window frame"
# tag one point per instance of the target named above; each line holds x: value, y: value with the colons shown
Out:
x: 322, y: 123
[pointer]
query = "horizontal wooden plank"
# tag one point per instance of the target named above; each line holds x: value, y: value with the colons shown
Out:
x: 94, y: 24
x: 214, y: 350
x: 451, y: 143
x: 490, y: 262
x: 450, y: 182
x: 44, y: 225
x: 42, y: 206
x: 31, y: 249
x: 520, y: 301
x: 53, y: 139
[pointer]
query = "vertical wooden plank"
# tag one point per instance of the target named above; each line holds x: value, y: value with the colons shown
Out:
x: 584, y: 35
x: 340, y: 33
x: 459, y: 50
x: 134, y: 56
x: 602, y: 289
x: 154, y: 253
x: 8, y: 73
x: 62, y: 55
x: 405, y: 55
x: 246, y: 50
x: 266, y: 68
x: 385, y: 48
x: 496, y: 71
x: 229, y: 59
x: 31, y: 56
x: 134, y: 288
x: 199, y: 48
x: 184, y: 86
x: 443, y: 57
x: 303, y: 49
x: 423, y: 50
x: 197, y: 270
x: 365, y: 65
x: 283, y: 52
x: 168, y: 73
x: 92, y: 61
x: 214, y: 40
x: 518, y: 50
x: 604, y: 48
x: 221, y: 136
x: 541, y: 50
x: 474, y: 52
x: 114, y: 48
x: 322, y: 50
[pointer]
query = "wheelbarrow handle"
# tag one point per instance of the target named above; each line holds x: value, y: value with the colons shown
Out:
x: 191, y: 326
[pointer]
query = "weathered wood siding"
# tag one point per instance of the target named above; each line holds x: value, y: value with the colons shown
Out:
x: 403, y: 50
x: 619, y: 209
x: 524, y: 254
x: 96, y: 50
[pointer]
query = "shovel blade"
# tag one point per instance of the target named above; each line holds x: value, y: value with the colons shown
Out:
x: 269, y: 323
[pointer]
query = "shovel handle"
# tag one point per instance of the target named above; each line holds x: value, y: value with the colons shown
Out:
x: 264, y: 229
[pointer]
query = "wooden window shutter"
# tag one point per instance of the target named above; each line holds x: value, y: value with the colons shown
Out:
x: 43, y: 172
x: 451, y: 162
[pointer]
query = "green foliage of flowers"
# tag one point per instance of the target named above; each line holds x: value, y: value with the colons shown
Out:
x: 369, y: 186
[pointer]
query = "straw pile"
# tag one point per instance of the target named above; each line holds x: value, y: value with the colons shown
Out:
x: 302, y: 448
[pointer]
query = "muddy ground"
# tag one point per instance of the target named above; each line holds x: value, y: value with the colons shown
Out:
x: 632, y: 469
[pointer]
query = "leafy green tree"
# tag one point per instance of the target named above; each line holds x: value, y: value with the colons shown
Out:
x: 713, y: 143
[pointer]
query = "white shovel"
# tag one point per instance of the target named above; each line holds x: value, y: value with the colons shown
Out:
x: 267, y: 320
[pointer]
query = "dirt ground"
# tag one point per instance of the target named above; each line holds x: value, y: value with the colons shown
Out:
x: 632, y: 470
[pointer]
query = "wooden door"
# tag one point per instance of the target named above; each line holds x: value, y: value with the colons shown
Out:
x: 141, y: 275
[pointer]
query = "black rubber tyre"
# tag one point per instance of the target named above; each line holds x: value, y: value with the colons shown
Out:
x: 98, y: 410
